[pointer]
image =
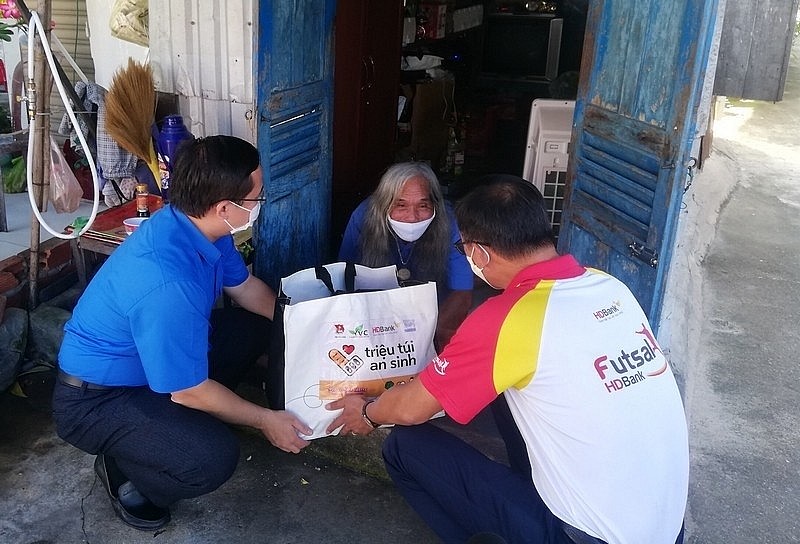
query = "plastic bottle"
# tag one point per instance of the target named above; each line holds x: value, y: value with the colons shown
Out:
x: 172, y: 133
x: 142, y: 206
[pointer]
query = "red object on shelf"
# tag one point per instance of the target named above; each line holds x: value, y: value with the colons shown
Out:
x: 3, y: 80
x: 436, y: 23
x: 108, y: 227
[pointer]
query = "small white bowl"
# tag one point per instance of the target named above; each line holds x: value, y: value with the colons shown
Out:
x: 132, y: 223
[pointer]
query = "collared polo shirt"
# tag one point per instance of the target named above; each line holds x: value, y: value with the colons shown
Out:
x: 590, y: 391
x: 144, y: 318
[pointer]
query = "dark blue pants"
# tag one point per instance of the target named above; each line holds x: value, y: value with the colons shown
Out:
x: 168, y: 451
x: 460, y: 492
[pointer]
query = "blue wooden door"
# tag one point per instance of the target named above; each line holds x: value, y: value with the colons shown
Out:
x: 643, y: 67
x: 294, y: 125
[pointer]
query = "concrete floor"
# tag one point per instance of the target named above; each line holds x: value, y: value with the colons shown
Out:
x: 49, y: 494
x: 742, y: 389
x: 18, y: 219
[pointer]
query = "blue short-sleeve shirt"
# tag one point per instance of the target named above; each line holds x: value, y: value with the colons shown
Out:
x: 144, y: 318
x: 459, y: 274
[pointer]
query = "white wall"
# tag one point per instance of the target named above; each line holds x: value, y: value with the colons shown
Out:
x: 109, y: 53
x: 203, y: 51
x: 682, y: 313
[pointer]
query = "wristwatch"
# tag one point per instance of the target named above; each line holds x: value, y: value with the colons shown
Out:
x: 368, y: 421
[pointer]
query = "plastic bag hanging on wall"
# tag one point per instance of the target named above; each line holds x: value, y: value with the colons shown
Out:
x: 65, y: 191
x: 129, y: 21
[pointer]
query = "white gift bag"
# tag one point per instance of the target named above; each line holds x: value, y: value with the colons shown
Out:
x: 361, y: 333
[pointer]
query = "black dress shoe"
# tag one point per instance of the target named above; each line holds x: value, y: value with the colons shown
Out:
x: 131, y: 506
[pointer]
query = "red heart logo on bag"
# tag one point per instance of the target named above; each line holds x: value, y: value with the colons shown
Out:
x: 349, y: 348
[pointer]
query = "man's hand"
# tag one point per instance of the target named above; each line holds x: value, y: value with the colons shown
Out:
x: 350, y: 419
x: 404, y: 404
x: 283, y: 430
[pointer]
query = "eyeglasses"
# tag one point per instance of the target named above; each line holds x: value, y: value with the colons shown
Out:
x: 259, y: 198
x: 460, y: 245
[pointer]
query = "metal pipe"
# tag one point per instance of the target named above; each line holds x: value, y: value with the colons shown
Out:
x: 77, y: 104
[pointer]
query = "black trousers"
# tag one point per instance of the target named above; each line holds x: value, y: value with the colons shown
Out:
x: 461, y: 493
x: 168, y: 451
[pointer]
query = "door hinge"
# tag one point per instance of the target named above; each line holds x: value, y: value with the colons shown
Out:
x: 643, y: 253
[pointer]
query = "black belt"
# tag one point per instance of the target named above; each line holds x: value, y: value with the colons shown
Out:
x: 78, y: 383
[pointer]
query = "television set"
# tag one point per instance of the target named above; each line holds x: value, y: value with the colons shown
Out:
x: 521, y: 48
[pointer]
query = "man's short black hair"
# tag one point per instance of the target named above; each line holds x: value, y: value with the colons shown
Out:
x: 506, y: 213
x: 209, y: 170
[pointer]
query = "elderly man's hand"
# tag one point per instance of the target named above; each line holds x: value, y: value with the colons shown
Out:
x: 283, y: 430
x: 350, y: 419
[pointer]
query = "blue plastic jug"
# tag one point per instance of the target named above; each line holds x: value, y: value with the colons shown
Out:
x: 172, y: 133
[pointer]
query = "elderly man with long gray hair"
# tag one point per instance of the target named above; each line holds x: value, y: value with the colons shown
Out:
x: 406, y: 222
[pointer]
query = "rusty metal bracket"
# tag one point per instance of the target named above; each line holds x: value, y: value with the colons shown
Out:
x: 690, y: 168
x: 643, y: 253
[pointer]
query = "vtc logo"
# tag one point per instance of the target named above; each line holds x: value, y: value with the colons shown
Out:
x: 359, y: 331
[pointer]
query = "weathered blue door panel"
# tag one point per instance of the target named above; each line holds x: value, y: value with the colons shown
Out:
x: 643, y: 68
x: 294, y: 126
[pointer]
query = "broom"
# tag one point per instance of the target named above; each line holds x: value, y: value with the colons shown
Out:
x: 130, y: 112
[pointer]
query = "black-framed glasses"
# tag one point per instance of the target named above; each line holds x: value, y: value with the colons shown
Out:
x: 259, y: 198
x: 460, y: 245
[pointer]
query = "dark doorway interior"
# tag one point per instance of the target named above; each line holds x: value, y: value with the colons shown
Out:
x: 469, y: 115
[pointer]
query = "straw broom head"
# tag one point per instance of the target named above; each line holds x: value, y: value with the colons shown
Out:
x: 130, y: 110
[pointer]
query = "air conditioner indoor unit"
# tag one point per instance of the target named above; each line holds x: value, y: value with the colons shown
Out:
x: 547, y: 152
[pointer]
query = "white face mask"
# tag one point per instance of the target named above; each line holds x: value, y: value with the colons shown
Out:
x: 251, y: 219
x: 410, y: 232
x: 479, y: 271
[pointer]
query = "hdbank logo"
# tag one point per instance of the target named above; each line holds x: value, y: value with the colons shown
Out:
x: 604, y: 313
x: 625, y: 370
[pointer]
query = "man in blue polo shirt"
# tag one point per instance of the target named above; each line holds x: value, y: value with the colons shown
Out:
x: 148, y: 369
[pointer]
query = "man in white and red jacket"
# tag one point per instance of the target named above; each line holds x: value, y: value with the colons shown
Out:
x: 601, y: 450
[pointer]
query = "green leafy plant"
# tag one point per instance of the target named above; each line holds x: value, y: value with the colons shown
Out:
x: 9, y: 10
x: 246, y: 249
x: 14, y: 180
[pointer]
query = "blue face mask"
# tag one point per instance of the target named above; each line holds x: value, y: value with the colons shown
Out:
x: 250, y: 220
